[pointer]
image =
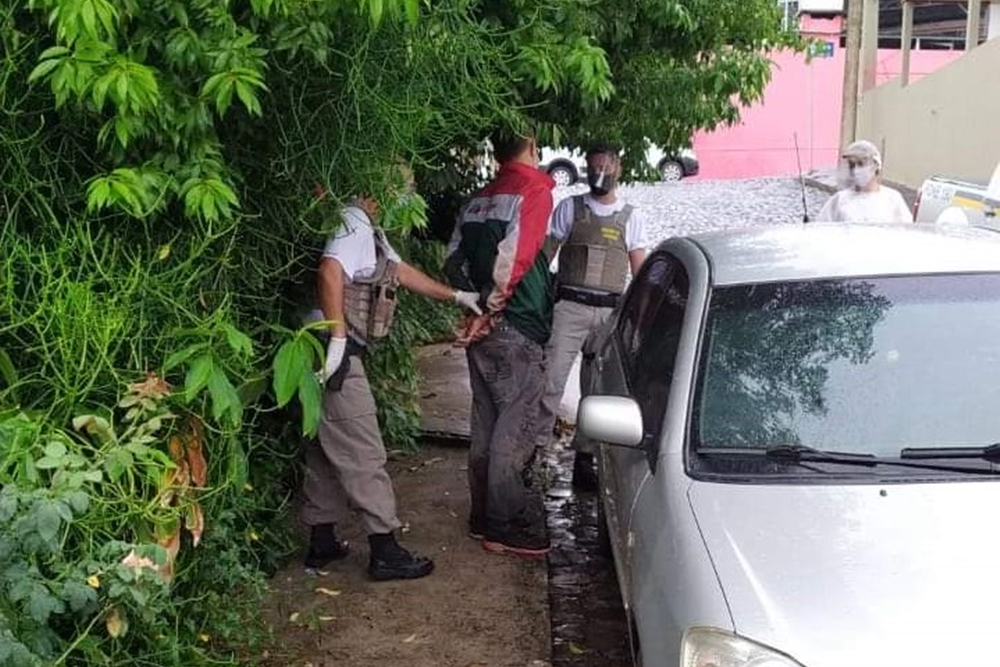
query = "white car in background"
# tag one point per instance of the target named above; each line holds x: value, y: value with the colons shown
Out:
x: 567, y: 167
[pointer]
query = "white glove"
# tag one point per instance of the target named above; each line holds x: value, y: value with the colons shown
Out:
x: 468, y: 300
x: 334, y: 356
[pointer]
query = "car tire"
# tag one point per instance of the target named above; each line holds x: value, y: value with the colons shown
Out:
x: 563, y: 174
x: 671, y: 171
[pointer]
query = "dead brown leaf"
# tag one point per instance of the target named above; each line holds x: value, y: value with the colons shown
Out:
x: 175, y: 446
x: 169, y: 537
x: 195, y: 455
x: 152, y: 387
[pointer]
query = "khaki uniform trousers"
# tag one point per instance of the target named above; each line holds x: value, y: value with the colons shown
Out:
x: 571, y: 324
x: 345, y: 469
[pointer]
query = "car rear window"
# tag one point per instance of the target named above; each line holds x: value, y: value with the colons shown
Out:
x: 858, y: 365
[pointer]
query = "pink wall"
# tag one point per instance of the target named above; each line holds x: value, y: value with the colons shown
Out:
x: 804, y: 99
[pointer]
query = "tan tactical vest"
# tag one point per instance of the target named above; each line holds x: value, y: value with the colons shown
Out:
x: 370, y: 303
x: 595, y: 255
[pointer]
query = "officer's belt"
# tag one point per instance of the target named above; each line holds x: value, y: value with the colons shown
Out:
x: 595, y: 299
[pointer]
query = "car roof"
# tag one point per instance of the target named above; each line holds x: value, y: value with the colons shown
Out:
x: 828, y: 250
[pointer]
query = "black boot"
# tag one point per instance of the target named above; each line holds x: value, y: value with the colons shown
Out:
x: 391, y: 561
x: 324, y: 546
x: 584, y: 472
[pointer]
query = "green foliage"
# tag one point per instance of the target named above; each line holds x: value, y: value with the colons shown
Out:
x: 294, y: 376
x: 91, y: 543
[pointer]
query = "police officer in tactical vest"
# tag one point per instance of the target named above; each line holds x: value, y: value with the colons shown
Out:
x: 358, y: 277
x: 601, y: 238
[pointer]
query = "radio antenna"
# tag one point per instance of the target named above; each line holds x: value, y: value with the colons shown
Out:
x: 802, y: 180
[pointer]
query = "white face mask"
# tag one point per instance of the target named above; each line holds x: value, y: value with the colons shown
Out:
x: 861, y: 176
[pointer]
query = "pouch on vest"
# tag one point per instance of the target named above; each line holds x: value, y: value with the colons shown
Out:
x: 370, y: 303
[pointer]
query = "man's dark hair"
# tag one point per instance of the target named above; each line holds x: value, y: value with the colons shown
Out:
x: 602, y: 148
x: 507, y: 144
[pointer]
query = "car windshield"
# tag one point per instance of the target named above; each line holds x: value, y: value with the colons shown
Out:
x: 859, y: 365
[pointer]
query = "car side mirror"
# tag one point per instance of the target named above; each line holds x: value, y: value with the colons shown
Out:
x: 616, y: 420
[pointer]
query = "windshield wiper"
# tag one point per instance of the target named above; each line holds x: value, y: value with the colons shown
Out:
x: 909, y: 458
x: 989, y: 453
x: 795, y: 454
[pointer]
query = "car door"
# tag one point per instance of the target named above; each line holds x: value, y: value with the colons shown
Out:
x: 637, y: 361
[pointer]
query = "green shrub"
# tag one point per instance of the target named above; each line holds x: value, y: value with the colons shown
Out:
x: 124, y: 541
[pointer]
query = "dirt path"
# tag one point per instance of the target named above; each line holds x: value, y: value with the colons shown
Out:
x: 476, y: 610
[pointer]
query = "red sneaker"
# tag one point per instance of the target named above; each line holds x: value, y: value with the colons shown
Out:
x: 532, y: 552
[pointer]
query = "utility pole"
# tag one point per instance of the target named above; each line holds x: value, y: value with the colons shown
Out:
x: 852, y: 66
x: 975, y: 10
x: 906, y: 41
x: 869, y: 45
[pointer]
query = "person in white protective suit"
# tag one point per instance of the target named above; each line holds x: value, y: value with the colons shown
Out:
x: 864, y: 199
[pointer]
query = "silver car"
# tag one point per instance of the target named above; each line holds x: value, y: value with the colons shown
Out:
x: 797, y: 458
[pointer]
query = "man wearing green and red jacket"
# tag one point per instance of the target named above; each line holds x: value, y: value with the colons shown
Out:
x: 497, y: 250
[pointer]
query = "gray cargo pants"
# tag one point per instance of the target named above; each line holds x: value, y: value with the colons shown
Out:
x: 507, y: 378
x: 571, y: 324
x: 345, y: 469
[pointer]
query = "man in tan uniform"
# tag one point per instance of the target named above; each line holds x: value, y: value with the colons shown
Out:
x: 358, y: 276
x: 601, y: 239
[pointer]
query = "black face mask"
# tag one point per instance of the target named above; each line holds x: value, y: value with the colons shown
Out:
x: 601, y: 183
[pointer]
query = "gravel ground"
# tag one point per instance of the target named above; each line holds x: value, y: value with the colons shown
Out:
x: 689, y: 207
